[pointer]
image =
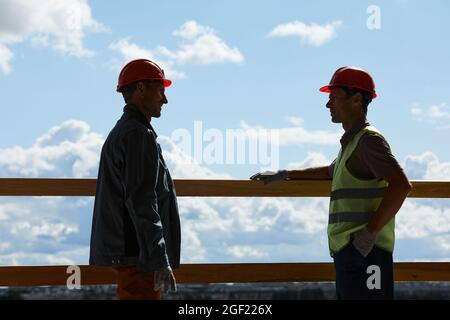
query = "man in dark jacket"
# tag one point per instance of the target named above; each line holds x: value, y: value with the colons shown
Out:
x: 136, y: 226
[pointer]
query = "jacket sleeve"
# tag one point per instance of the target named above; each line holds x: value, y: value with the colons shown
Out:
x: 140, y: 176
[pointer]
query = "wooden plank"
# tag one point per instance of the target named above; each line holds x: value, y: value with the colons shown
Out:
x: 422, y: 271
x: 247, y: 188
x: 53, y: 275
x: 206, y: 188
x: 255, y: 272
x: 219, y: 273
x: 47, y: 187
x: 430, y: 189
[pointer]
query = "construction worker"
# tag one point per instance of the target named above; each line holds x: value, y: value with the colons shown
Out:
x: 368, y: 188
x: 136, y: 225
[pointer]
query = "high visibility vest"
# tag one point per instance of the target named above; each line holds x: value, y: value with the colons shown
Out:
x: 353, y: 201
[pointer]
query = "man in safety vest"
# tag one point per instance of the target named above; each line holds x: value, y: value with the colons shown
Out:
x: 368, y: 188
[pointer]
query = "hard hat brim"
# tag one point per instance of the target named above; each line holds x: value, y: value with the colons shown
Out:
x: 167, y: 83
x: 328, y: 90
x: 325, y: 89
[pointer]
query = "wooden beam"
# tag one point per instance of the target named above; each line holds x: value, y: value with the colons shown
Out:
x: 248, y: 188
x: 430, y: 189
x: 219, y: 273
x: 206, y: 188
x: 47, y: 187
x: 422, y: 271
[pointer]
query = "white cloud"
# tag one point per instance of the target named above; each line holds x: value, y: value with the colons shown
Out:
x: 294, y: 135
x: 246, y: 251
x: 5, y: 59
x: 61, y: 25
x: 130, y: 51
x: 295, y: 121
x: 45, y: 228
x: 56, y: 230
x: 438, y: 114
x: 426, y: 166
x: 199, y: 45
x: 420, y: 220
x: 70, y: 149
x: 191, y: 30
x: 57, y: 257
x: 184, y: 165
x: 314, y: 34
x: 443, y: 242
x: 313, y: 159
x: 4, y: 246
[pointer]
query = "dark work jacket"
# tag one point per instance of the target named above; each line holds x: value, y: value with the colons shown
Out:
x: 135, y: 220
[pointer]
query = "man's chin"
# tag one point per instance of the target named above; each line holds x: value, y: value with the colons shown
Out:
x: 334, y: 120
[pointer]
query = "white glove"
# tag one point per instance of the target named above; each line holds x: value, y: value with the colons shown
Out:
x: 269, y: 176
x: 164, y: 280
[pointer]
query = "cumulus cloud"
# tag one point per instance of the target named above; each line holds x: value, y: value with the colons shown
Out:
x: 199, y: 45
x: 423, y: 230
x: 245, y: 251
x: 5, y: 59
x: 44, y: 230
x: 67, y: 150
x: 131, y: 51
x: 426, y: 166
x: 438, y: 114
x: 255, y: 229
x: 60, y: 25
x: 314, y: 34
x: 419, y: 220
x: 294, y: 135
x: 295, y: 121
x: 313, y: 159
x: 56, y: 230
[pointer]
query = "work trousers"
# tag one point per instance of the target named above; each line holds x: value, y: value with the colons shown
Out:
x: 359, y: 278
x: 134, y: 285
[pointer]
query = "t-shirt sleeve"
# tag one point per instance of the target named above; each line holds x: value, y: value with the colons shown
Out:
x: 376, y: 153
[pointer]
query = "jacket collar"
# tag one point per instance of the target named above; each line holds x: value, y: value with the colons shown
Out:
x: 349, y: 135
x: 132, y: 111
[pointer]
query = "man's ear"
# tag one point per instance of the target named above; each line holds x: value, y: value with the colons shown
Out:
x: 140, y: 87
x: 357, y: 98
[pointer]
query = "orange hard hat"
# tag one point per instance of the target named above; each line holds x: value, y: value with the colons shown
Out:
x: 351, y: 77
x: 141, y: 69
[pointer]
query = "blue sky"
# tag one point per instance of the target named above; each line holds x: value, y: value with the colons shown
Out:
x: 234, y: 65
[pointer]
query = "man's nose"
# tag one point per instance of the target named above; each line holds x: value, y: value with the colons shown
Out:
x: 329, y: 104
x: 165, y: 99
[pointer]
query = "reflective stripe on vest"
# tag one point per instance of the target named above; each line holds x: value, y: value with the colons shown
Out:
x: 353, y: 201
x: 357, y: 193
x: 349, y: 217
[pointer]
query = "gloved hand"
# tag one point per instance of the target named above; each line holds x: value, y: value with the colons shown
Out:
x: 364, y: 241
x: 269, y: 176
x: 164, y: 280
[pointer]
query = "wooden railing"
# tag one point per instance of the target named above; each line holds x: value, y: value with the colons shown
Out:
x: 214, y: 273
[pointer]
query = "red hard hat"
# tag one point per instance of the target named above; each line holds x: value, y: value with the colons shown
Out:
x: 353, y: 78
x: 141, y: 69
